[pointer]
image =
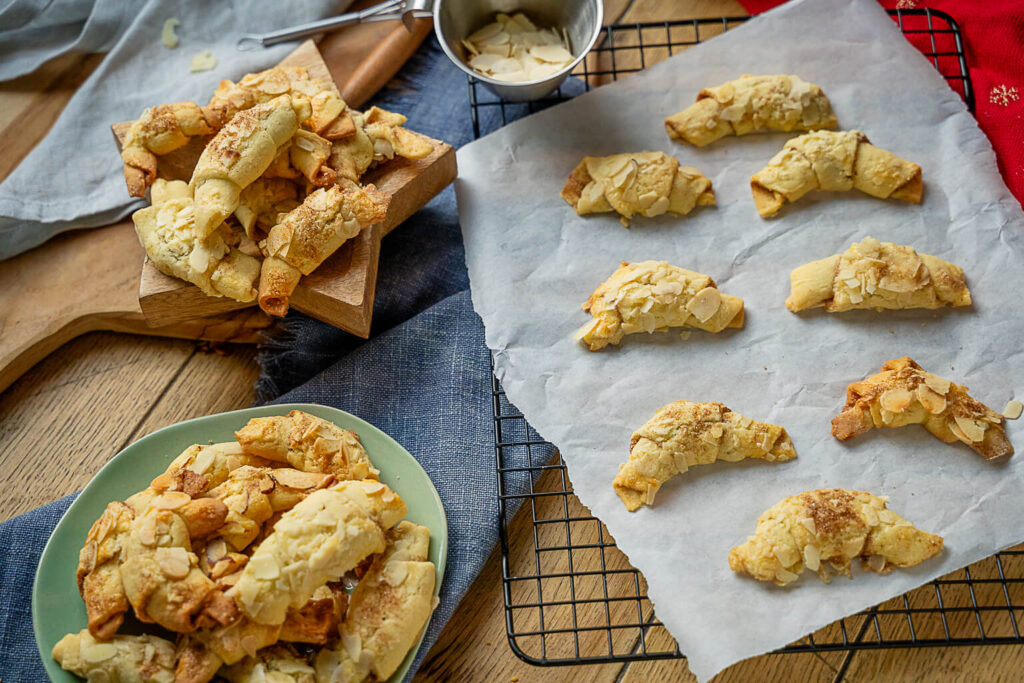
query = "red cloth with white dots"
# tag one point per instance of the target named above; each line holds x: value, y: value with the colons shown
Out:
x: 993, y: 34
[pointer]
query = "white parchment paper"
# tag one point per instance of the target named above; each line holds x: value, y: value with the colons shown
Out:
x: 533, y: 261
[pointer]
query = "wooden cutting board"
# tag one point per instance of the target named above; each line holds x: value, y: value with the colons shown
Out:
x: 88, y: 280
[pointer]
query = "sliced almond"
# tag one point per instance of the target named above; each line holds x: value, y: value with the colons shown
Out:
x: 1013, y: 410
x: 812, y: 557
x: 488, y: 31
x: 174, y: 562
x: 886, y: 415
x: 877, y: 563
x: 201, y: 463
x: 171, y: 500
x: 469, y: 46
x: 785, y: 576
x: 717, y: 430
x: 972, y: 429
x: 895, y: 400
x: 297, y: 479
x: 485, y: 62
x: 215, y: 550
x: 933, y: 401
x: 98, y: 652
x: 786, y: 554
x: 808, y: 523
x: 551, y: 53
x: 146, y: 530
x: 852, y: 547
x: 264, y: 567
x: 705, y: 304
x: 939, y: 384
x: 869, y: 515
x: 887, y: 516
x: 352, y: 643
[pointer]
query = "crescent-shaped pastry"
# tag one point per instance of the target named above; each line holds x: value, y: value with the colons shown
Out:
x: 647, y: 183
x: 125, y: 659
x: 752, y: 104
x: 201, y: 467
x: 317, y: 541
x: 387, y: 611
x: 167, y: 231
x: 239, y: 154
x: 98, y: 574
x: 651, y: 296
x: 683, y: 434
x: 903, y: 394
x: 160, y: 130
x: 307, y: 235
x: 835, y: 161
x: 830, y: 527
x: 878, y: 275
x: 307, y: 443
x: 377, y: 137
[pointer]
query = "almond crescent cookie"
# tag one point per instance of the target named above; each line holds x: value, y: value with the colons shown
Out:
x: 125, y: 659
x: 378, y: 136
x: 168, y: 233
x: 386, y: 613
x: 830, y: 527
x: 648, y: 183
x: 902, y: 394
x: 239, y: 154
x: 318, y: 540
x: 304, y: 237
x: 834, y: 161
x: 160, y: 130
x: 653, y: 296
x: 878, y: 275
x: 752, y: 104
x: 683, y: 434
x: 307, y: 443
x: 276, y: 664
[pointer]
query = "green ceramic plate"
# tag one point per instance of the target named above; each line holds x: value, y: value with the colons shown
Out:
x: 57, y: 609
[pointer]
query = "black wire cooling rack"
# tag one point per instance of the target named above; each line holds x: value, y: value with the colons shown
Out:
x: 571, y: 596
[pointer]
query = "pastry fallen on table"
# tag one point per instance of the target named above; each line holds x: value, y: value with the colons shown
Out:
x: 903, y: 394
x: 648, y: 183
x: 829, y: 528
x: 386, y: 612
x: 683, y: 434
x: 318, y: 540
x: 752, y: 104
x: 239, y: 154
x: 238, y: 548
x: 835, y: 161
x: 121, y: 659
x: 307, y: 443
x: 213, y: 263
x: 878, y: 275
x: 305, y: 236
x: 653, y: 296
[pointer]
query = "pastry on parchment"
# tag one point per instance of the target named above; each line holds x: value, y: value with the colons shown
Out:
x: 752, y: 104
x: 878, y: 275
x: 160, y: 130
x: 386, y: 613
x: 308, y: 234
x: 903, y: 394
x: 167, y: 231
x: 239, y: 154
x: 651, y: 296
x: 308, y: 443
x: 835, y: 161
x: 648, y: 183
x: 830, y: 527
x: 318, y: 540
x: 121, y: 658
x: 683, y: 434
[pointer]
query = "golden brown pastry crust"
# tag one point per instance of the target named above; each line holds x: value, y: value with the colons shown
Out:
x: 752, y: 104
x: 306, y: 236
x: 124, y: 659
x: 683, y: 434
x: 648, y: 183
x: 834, y: 161
x: 160, y: 130
x: 878, y: 275
x: 830, y: 527
x: 902, y: 394
x: 650, y: 296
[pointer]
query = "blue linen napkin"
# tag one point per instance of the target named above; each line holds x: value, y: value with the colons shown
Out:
x: 423, y: 376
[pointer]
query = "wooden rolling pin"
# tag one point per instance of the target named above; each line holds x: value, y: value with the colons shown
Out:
x: 384, y: 62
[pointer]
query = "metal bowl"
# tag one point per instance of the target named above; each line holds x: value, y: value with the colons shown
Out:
x: 581, y: 19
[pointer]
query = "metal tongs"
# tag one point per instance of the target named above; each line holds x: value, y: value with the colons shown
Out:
x: 406, y: 10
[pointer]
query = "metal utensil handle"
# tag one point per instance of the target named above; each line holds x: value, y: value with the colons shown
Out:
x: 385, y: 11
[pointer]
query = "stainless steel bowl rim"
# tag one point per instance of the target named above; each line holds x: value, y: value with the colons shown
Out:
x: 486, y: 79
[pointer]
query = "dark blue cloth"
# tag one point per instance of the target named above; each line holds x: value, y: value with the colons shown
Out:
x: 423, y: 376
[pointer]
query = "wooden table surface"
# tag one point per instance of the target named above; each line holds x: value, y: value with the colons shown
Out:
x: 71, y: 413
